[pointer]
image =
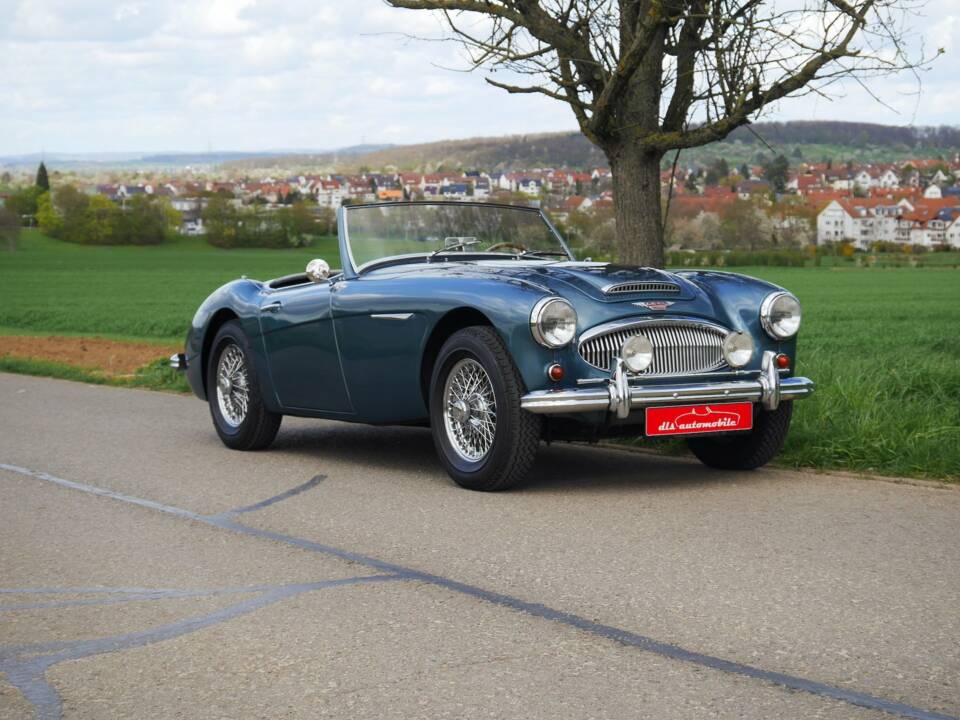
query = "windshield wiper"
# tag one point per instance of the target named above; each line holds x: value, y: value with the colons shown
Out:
x: 543, y: 253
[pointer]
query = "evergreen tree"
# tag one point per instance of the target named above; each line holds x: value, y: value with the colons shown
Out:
x: 777, y: 171
x: 43, y: 182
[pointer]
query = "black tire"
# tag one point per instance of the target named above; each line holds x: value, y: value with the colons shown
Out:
x: 516, y: 436
x: 750, y: 450
x: 258, y: 426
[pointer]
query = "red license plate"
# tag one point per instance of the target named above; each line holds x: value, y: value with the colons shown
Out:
x: 696, y: 419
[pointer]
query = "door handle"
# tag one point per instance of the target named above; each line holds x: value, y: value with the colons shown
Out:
x: 272, y: 307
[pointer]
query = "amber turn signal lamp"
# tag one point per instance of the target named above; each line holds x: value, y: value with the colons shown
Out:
x: 783, y: 362
x: 555, y: 372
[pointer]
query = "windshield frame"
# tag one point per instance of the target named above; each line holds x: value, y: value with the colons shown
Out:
x: 352, y: 270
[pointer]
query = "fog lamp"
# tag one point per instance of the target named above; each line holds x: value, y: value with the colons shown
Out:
x: 637, y: 353
x: 737, y: 349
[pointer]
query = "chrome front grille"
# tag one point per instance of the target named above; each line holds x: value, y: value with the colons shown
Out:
x: 679, y: 348
x: 641, y: 287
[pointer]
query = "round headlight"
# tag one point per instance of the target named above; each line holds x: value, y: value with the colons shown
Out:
x: 780, y: 315
x: 737, y: 349
x: 553, y: 322
x: 637, y: 353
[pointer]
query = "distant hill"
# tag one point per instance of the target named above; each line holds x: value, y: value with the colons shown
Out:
x: 134, y: 160
x: 803, y: 140
x: 810, y: 140
x: 490, y: 153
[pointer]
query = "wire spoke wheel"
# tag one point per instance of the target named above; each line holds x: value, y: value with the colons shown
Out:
x: 470, y: 410
x: 233, y: 385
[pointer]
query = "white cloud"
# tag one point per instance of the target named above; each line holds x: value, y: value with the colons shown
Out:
x: 102, y: 75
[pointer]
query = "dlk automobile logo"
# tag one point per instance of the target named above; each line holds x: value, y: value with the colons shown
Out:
x: 655, y: 304
x: 693, y: 419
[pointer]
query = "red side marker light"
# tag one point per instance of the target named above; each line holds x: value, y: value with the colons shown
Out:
x: 783, y: 362
x: 555, y: 372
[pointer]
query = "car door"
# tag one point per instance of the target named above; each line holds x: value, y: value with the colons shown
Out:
x: 301, y: 349
x: 381, y: 325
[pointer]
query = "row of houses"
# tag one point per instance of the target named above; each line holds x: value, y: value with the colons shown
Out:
x: 927, y: 222
x: 915, y: 202
x: 812, y: 177
x: 334, y: 190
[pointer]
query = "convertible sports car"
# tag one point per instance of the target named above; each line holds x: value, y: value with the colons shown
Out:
x: 476, y: 319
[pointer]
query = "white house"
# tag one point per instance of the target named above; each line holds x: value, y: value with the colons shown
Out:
x: 330, y: 193
x: 529, y: 186
x: 889, y: 180
x: 863, y: 221
x: 952, y: 233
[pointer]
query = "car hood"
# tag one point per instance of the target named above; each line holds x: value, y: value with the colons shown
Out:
x: 595, y: 280
x: 727, y: 299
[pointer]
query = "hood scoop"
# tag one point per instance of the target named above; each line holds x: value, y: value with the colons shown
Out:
x: 640, y: 286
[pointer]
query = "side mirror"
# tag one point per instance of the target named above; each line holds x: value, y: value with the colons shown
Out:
x: 318, y: 270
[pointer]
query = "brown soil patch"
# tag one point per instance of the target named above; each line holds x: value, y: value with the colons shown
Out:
x: 112, y: 357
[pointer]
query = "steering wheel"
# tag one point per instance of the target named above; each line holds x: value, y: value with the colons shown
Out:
x: 508, y: 244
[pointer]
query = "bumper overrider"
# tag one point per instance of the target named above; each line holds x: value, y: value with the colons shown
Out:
x: 621, y: 398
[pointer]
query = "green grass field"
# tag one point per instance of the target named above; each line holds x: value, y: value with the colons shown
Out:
x: 127, y: 292
x: 882, y: 344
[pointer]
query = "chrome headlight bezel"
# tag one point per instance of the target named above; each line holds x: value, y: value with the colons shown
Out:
x: 542, y: 311
x: 769, y: 315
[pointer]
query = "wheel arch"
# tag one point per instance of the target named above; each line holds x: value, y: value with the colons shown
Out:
x: 217, y: 320
x: 452, y: 321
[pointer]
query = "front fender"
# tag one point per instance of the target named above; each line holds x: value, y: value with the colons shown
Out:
x: 237, y: 300
x: 738, y: 299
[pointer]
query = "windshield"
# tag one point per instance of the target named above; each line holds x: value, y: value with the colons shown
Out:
x: 375, y: 232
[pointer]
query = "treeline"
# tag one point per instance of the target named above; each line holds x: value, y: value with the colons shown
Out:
x: 70, y: 215
x: 855, y: 134
x: 741, y: 225
x: 230, y: 225
x: 572, y: 149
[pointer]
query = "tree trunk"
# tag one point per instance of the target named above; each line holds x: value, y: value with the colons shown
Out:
x: 636, y: 202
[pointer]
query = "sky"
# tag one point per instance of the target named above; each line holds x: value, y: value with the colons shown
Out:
x: 101, y: 76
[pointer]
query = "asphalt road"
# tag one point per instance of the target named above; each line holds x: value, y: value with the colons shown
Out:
x: 147, y: 571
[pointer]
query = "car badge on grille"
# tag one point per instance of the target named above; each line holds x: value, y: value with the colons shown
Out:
x: 654, y: 304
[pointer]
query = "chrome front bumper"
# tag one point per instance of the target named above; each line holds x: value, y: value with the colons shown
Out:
x: 620, y: 398
x: 178, y: 361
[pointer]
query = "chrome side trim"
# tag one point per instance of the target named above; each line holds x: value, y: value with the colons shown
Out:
x: 391, y: 316
x: 547, y: 402
x: 178, y: 361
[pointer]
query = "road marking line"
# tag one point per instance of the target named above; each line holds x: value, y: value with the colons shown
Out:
x: 25, y: 666
x: 619, y: 635
x: 277, y: 498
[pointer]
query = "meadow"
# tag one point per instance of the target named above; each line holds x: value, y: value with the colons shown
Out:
x: 883, y: 344
x: 55, y: 287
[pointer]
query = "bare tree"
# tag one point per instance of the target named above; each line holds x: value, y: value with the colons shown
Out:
x: 644, y: 77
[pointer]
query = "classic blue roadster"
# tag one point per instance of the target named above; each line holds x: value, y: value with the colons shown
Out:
x: 477, y: 320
